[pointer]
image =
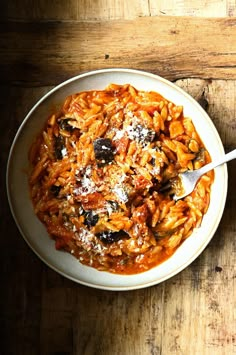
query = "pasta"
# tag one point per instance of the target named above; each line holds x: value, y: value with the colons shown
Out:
x: 98, y: 169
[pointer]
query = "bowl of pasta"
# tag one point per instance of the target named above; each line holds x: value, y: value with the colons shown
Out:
x: 86, y: 172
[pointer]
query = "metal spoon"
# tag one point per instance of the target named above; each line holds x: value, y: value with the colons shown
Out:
x: 189, y: 178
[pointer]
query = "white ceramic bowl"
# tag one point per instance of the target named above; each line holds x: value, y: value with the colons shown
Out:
x: 34, y: 232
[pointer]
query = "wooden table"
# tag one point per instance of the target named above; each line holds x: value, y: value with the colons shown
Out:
x: 192, y: 43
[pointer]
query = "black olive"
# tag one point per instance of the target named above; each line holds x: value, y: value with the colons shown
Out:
x: 103, y: 150
x: 153, y: 161
x: 59, y: 145
x: 64, y: 124
x: 90, y: 219
x: 55, y: 189
x: 111, y: 237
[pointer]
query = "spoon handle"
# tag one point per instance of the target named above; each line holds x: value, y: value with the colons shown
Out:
x: 227, y: 157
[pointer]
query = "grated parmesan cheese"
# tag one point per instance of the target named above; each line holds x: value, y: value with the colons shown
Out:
x: 121, y: 193
x: 87, y: 184
x: 64, y: 152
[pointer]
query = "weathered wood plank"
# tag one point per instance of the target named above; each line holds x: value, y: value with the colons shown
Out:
x: 192, y: 313
x: 43, y: 313
x: 30, y: 10
x: 231, y: 8
x: 21, y: 270
x: 41, y: 10
x: 172, y: 47
x: 112, y: 9
x: 219, y: 97
x: 210, y: 8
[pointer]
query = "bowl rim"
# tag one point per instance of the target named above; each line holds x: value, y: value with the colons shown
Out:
x: 10, y: 157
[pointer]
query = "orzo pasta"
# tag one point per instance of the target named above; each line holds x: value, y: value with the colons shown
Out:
x: 98, y: 168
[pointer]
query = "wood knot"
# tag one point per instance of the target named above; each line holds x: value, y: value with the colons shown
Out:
x: 218, y: 269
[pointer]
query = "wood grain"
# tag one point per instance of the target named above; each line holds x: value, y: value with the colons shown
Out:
x: 88, y: 10
x: 40, y: 9
x: 44, y: 42
x: 112, y: 9
x: 47, y: 314
x: 172, y: 47
x: 74, y: 10
x: 219, y: 96
x: 202, y: 8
